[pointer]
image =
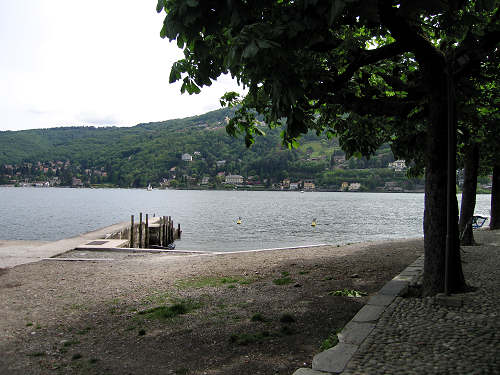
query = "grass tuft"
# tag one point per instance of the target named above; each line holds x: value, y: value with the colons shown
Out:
x: 283, y: 281
x: 329, y: 342
x: 168, y: 312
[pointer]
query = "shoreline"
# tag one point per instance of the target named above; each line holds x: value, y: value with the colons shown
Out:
x: 318, y: 190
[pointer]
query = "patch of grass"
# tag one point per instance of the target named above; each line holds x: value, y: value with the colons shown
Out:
x: 212, y: 281
x: 76, y: 356
x: 29, y: 324
x: 232, y: 286
x: 328, y: 278
x: 348, y: 293
x: 37, y: 354
x: 38, y: 326
x: 93, y: 360
x: 287, y: 318
x: 283, y: 280
x: 168, y: 312
x: 142, y: 332
x: 303, y: 272
x: 258, y: 317
x: 285, y: 273
x: 329, y: 342
x: 181, y: 371
x: 248, y: 338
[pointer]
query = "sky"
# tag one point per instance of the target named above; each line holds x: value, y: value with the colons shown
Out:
x: 91, y: 62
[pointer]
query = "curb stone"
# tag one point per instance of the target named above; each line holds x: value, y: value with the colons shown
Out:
x: 354, y: 333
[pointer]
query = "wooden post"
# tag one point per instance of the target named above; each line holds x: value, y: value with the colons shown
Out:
x: 160, y: 232
x: 165, y: 231
x: 140, y: 229
x: 131, y: 230
x: 146, y: 234
x: 171, y: 229
x: 167, y: 234
x: 179, y: 231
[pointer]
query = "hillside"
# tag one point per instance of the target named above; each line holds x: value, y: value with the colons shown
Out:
x: 152, y: 153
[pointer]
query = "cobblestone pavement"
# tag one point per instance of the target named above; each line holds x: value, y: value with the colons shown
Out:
x: 421, y: 336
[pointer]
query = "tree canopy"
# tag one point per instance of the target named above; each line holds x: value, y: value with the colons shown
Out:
x: 368, y: 71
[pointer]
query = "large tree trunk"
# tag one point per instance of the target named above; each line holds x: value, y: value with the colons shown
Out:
x: 495, y: 199
x: 471, y: 165
x: 435, y: 224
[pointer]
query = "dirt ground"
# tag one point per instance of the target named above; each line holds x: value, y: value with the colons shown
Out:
x: 247, y: 313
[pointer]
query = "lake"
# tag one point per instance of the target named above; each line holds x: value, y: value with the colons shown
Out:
x: 208, y: 218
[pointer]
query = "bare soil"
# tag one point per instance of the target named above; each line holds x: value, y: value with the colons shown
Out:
x: 248, y: 313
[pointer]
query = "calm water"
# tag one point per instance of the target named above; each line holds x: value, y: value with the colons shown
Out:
x: 208, y: 218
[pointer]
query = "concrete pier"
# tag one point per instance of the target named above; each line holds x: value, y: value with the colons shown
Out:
x: 14, y: 253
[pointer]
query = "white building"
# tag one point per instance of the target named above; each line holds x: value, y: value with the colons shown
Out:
x: 355, y: 186
x: 234, y: 179
x: 398, y: 165
x: 187, y: 157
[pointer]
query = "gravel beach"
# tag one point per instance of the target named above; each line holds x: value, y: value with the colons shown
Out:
x: 247, y: 313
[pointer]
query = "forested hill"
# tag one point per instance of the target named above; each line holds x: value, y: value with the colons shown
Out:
x: 80, y: 143
x: 151, y: 153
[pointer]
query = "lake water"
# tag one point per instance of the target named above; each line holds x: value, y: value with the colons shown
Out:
x: 208, y: 218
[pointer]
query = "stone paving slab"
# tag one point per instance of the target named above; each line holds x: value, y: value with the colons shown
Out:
x: 394, y: 287
x: 355, y: 333
x: 381, y: 299
x: 308, y: 371
x: 334, y: 359
x: 368, y: 313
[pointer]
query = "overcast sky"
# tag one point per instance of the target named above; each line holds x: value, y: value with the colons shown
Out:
x: 91, y: 62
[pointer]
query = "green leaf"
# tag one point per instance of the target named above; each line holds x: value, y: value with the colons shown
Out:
x: 160, y: 5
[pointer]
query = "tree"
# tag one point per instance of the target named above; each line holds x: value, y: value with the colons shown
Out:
x: 478, y: 120
x: 368, y: 68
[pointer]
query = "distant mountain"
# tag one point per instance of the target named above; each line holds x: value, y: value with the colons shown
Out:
x: 151, y: 153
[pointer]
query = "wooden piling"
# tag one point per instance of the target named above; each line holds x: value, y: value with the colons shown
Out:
x: 169, y: 239
x: 178, y: 231
x: 140, y: 230
x: 131, y: 230
x: 146, y: 233
x: 165, y: 231
x: 160, y: 232
x: 171, y: 229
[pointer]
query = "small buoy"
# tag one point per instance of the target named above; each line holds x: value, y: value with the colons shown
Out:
x: 313, y: 224
x: 238, y: 221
